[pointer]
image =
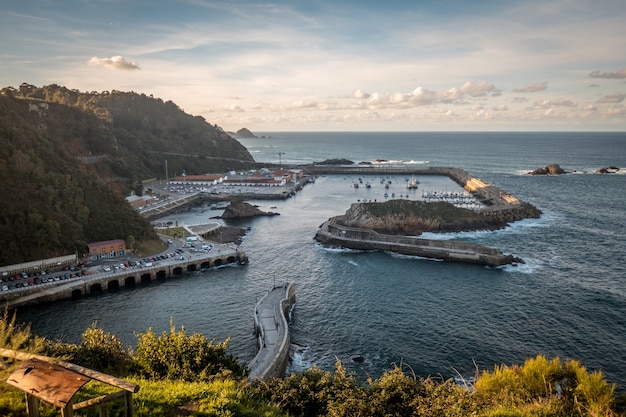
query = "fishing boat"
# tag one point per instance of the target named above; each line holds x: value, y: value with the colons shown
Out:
x: 412, y: 184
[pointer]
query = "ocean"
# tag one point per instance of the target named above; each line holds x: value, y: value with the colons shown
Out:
x: 567, y: 300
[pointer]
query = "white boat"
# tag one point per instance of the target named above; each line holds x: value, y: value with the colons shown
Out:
x: 412, y: 185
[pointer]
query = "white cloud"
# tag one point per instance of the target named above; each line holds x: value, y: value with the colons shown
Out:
x: 550, y: 104
x: 532, y: 88
x: 613, y: 98
x: 609, y: 75
x: 474, y: 89
x: 360, y: 94
x: 117, y: 62
x: 234, y: 108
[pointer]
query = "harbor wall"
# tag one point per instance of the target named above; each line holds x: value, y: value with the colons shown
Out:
x: 332, y: 233
x: 273, y: 356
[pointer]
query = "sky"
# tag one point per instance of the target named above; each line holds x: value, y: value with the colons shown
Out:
x: 333, y: 65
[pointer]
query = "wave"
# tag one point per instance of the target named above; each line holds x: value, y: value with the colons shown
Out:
x: 520, y: 226
x: 298, y: 361
x: 529, y: 267
x: 583, y: 171
x: 397, y: 162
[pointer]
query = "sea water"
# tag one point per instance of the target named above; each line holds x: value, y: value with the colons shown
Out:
x: 567, y: 300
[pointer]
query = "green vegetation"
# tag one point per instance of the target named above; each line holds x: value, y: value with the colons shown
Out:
x: 174, y: 232
x: 187, y: 375
x: 409, y: 208
x: 68, y: 159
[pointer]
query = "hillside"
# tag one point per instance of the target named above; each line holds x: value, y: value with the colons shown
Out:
x: 68, y: 159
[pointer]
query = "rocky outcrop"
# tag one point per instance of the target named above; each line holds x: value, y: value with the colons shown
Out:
x: 243, y: 210
x: 341, y: 161
x: 608, y: 170
x: 405, y: 217
x: 552, y: 169
x: 245, y: 134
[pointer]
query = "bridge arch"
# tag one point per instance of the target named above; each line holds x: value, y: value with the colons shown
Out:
x: 161, y: 275
x: 113, y: 285
x: 231, y: 259
x: 192, y: 268
x: 95, y: 288
x: 205, y: 265
x: 77, y: 293
x: 129, y: 282
x: 178, y: 270
x: 146, y: 278
x: 218, y: 262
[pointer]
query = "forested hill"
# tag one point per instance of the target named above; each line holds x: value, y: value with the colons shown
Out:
x: 67, y: 159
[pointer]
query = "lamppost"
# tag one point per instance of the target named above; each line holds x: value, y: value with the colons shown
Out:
x: 280, y: 160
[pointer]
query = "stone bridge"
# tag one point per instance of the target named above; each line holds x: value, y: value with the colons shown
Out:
x: 128, y: 277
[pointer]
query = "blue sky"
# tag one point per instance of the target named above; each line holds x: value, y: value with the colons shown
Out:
x: 329, y: 65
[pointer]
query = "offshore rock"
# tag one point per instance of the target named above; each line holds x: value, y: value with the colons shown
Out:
x: 243, y: 210
x: 552, y: 169
x: 335, y: 161
x: 608, y: 170
x: 245, y: 134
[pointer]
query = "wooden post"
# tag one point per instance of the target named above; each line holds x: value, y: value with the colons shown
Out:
x: 128, y: 404
x: 67, y: 411
x: 32, y: 405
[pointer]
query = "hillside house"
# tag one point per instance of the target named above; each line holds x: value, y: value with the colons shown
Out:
x: 106, y: 249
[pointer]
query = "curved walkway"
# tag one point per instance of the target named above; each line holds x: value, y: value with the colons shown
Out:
x: 271, y: 324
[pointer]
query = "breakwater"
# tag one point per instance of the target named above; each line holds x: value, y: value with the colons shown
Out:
x: 332, y: 233
x: 271, y: 325
x: 486, y: 193
x: 500, y: 207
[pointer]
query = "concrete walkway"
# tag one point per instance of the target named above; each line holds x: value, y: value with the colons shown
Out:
x: 271, y: 315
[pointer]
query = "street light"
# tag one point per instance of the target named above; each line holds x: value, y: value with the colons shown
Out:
x: 280, y: 160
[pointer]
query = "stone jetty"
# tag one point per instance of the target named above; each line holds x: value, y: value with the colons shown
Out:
x: 271, y: 324
x: 332, y: 233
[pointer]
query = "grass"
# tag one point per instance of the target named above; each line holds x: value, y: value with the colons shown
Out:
x: 442, y: 210
x: 174, y: 232
x: 149, y: 247
x: 158, y: 399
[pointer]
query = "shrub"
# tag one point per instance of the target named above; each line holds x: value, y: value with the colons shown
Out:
x: 541, y: 384
x: 18, y: 337
x: 98, y: 350
x: 176, y: 355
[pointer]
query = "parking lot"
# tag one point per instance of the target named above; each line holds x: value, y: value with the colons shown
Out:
x: 176, y: 251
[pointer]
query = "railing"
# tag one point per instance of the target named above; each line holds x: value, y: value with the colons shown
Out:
x: 55, y: 391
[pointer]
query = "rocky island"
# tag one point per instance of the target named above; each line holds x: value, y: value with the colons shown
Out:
x: 242, y: 210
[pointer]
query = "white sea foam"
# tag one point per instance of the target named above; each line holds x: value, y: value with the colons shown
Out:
x: 298, y: 355
x: 530, y: 266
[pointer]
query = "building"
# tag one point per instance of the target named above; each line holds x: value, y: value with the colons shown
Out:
x: 137, y: 201
x: 106, y: 249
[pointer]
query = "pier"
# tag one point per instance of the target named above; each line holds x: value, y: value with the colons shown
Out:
x: 271, y: 325
x: 333, y: 234
x: 127, y: 277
